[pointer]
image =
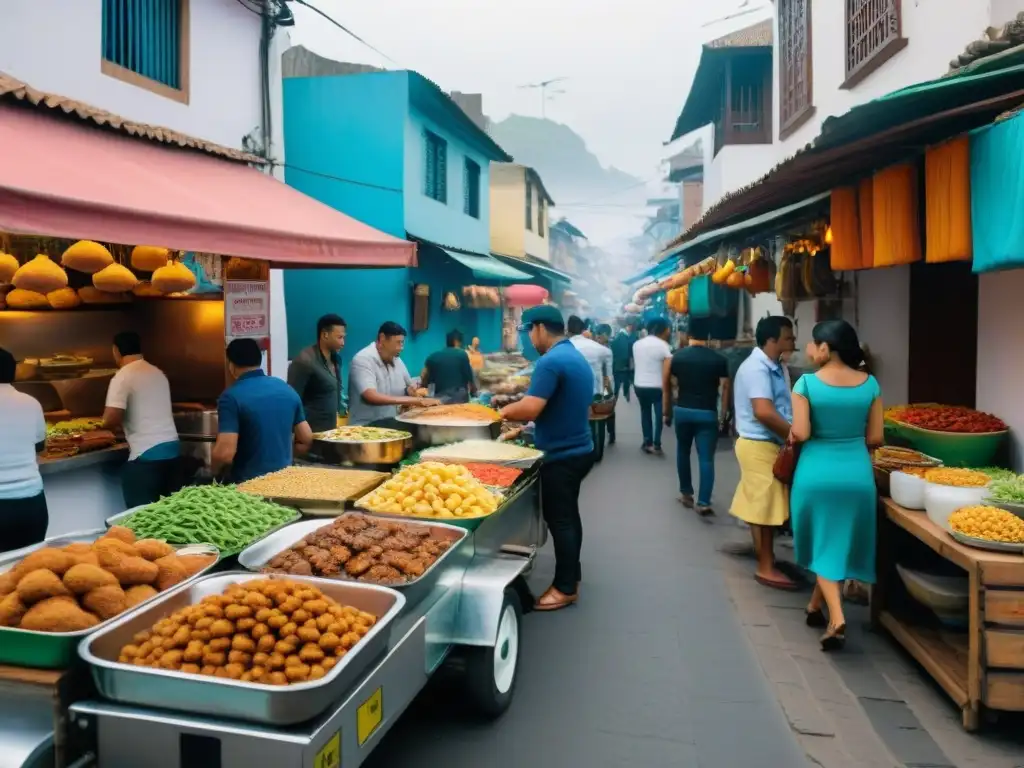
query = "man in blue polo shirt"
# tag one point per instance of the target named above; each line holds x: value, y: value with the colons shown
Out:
x: 261, y: 422
x: 558, y: 402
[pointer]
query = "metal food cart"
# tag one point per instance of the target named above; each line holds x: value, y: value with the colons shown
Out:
x: 472, y: 610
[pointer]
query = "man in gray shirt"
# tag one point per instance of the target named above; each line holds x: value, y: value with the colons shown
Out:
x: 379, y: 383
x: 315, y: 374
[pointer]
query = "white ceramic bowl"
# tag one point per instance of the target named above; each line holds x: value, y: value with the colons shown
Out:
x: 907, y: 490
x: 941, y: 501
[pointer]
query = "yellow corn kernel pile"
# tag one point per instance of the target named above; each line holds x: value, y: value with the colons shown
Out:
x: 990, y: 523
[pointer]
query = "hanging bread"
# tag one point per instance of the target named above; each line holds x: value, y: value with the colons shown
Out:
x: 115, y: 279
x: 8, y: 266
x: 149, y: 258
x: 86, y: 256
x: 63, y: 298
x: 19, y: 298
x: 92, y: 295
x: 173, y: 278
x: 40, y: 275
x: 145, y: 289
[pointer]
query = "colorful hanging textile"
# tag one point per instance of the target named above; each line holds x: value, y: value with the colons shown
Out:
x: 997, y: 196
x: 947, y: 201
x: 896, y: 225
x: 845, y: 222
x: 865, y: 209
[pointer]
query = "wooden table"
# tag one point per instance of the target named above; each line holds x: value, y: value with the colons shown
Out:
x: 983, y: 668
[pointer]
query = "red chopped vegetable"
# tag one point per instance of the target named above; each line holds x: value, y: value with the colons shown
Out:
x: 950, y: 418
x: 494, y: 475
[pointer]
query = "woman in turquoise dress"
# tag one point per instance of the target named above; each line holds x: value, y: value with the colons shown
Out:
x: 837, y: 414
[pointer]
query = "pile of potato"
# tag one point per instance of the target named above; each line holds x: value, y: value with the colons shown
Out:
x: 432, y: 489
x: 76, y: 587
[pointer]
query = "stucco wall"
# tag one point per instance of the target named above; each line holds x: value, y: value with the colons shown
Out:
x: 508, y: 198
x: 733, y: 167
x: 1000, y: 364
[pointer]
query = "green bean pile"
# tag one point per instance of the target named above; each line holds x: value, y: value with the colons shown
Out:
x: 1009, y: 491
x: 209, y: 514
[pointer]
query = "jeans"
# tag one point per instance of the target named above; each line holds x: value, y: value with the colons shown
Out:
x: 698, y: 426
x: 23, y: 522
x: 560, y: 482
x: 623, y: 381
x: 143, y: 482
x: 650, y: 415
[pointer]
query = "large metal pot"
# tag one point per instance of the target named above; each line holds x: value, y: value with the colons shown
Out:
x: 373, y: 452
x: 440, y: 433
x: 196, y: 423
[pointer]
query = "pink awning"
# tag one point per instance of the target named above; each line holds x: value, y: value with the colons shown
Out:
x: 70, y: 180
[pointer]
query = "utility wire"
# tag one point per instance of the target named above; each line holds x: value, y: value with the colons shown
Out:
x: 289, y: 166
x: 344, y: 29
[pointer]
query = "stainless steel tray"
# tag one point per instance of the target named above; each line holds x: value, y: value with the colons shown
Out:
x: 440, y: 433
x: 992, y: 546
x: 260, y: 553
x: 55, y: 650
x: 222, y: 698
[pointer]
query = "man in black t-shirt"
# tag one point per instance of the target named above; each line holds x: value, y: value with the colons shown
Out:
x: 700, y: 375
x: 450, y: 372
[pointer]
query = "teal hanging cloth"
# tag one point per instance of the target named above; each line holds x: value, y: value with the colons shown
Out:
x: 997, y: 196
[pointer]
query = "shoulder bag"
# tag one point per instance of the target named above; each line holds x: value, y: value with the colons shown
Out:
x: 784, y: 467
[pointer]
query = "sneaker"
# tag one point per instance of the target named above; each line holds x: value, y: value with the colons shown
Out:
x: 657, y: 451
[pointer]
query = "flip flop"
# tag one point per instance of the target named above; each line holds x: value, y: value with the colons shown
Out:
x: 553, y: 600
x: 785, y: 586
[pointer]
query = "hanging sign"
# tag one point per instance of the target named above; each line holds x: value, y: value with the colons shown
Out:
x: 247, y: 313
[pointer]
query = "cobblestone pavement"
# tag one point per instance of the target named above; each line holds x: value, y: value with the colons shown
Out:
x: 676, y: 657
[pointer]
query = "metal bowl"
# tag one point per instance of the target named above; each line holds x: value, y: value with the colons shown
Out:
x: 441, y: 433
x: 369, y: 452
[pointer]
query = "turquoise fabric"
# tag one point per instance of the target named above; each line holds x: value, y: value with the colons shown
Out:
x: 832, y: 503
x: 162, y: 452
x: 997, y: 196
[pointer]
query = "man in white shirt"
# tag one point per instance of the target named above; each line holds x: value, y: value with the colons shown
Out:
x: 139, y: 400
x: 23, y: 513
x: 597, y: 356
x: 378, y: 381
x: 651, y: 359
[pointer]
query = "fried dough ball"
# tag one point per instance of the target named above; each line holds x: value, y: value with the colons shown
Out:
x: 11, y: 610
x: 47, y: 558
x: 84, y: 578
x: 7, y: 583
x: 153, y: 549
x: 58, y: 614
x: 170, y: 571
x: 110, y: 544
x: 139, y: 593
x: 39, y: 585
x: 131, y: 571
x: 195, y: 563
x: 120, y: 532
x: 106, y: 601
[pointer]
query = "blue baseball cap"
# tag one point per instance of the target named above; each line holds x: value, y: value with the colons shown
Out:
x: 545, y: 313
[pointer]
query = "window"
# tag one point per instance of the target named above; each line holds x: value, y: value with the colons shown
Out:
x: 874, y: 34
x: 435, y: 167
x: 145, y: 43
x: 471, y: 189
x: 745, y: 106
x: 529, y: 205
x: 541, y: 207
x: 795, y: 88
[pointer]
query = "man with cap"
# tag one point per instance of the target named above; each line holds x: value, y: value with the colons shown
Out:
x: 558, y: 402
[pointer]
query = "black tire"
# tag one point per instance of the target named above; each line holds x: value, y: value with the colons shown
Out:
x: 487, y: 697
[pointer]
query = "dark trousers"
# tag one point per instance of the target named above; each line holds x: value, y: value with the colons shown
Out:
x: 560, y: 483
x: 700, y: 427
x: 23, y: 522
x: 650, y: 415
x: 143, y: 482
x: 623, y: 381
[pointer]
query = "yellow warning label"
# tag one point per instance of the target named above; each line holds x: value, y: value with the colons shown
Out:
x: 330, y: 754
x: 370, y: 715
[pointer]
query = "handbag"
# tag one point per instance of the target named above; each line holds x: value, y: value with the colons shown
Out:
x: 784, y: 467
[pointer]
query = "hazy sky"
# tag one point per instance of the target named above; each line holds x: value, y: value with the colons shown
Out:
x: 628, y: 63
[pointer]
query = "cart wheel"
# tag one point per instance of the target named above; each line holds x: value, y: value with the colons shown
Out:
x: 491, y: 671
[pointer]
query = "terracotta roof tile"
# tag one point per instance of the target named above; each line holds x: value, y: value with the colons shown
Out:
x: 13, y: 89
x: 755, y: 36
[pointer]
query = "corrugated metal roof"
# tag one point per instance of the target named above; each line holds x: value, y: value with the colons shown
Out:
x: 755, y: 36
x: 12, y: 89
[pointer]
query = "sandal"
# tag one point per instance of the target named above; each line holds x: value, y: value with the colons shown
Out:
x: 553, y: 600
x: 785, y: 586
x: 834, y: 639
x: 816, y: 618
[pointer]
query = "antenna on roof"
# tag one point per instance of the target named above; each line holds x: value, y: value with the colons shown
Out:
x: 543, y: 86
x: 743, y: 9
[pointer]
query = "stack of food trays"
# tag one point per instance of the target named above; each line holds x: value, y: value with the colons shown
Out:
x: 317, y: 491
x: 269, y: 649
x: 207, y: 514
x: 55, y: 593
x: 890, y: 458
x: 366, y: 446
x: 403, y: 555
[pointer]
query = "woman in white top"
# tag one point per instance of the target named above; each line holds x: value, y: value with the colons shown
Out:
x: 23, y: 513
x: 651, y: 358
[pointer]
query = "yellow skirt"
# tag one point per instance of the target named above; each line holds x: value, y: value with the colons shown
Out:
x: 760, y: 499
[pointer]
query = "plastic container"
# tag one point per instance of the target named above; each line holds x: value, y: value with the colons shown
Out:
x: 907, y: 490
x: 941, y: 501
x: 947, y: 596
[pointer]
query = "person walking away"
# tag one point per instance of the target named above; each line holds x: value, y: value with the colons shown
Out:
x: 139, y: 401
x: 261, y: 423
x: 837, y: 418
x: 24, y: 516
x: 379, y: 383
x: 622, y: 356
x: 450, y: 372
x: 315, y: 374
x: 558, y: 402
x: 764, y: 412
x: 603, y: 337
x: 652, y: 356
x: 599, y: 358
x: 700, y: 374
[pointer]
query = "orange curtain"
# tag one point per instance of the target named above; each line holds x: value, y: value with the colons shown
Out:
x: 865, y: 207
x: 845, y: 222
x: 894, y: 203
x: 947, y: 201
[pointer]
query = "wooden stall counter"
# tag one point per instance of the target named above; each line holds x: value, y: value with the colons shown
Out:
x: 982, y: 668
